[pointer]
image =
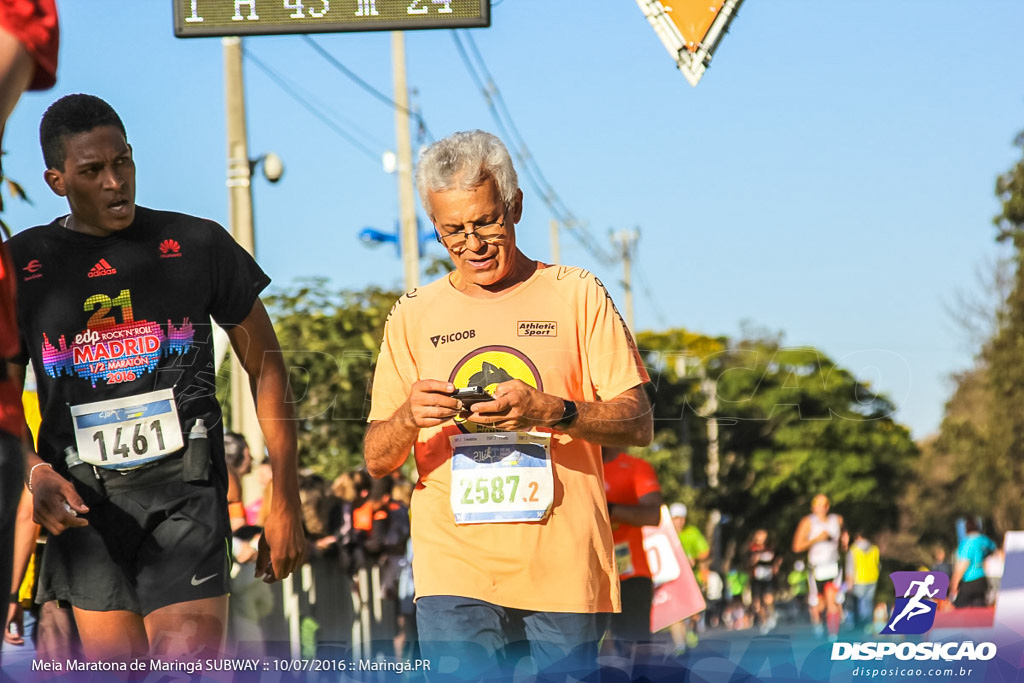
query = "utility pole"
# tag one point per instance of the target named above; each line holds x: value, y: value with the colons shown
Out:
x: 408, y: 237
x: 626, y: 239
x: 710, y: 390
x: 240, y: 218
x: 556, y: 252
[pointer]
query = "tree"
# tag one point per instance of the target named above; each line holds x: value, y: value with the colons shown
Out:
x: 330, y: 341
x: 975, y: 466
x: 791, y: 423
x: 1001, y: 473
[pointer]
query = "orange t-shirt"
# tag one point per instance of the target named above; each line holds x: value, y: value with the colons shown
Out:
x: 560, y: 333
x: 626, y: 480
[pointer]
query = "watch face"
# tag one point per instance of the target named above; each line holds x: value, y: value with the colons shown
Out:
x: 569, y: 414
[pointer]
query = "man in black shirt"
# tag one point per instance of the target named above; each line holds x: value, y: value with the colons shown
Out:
x: 114, y: 308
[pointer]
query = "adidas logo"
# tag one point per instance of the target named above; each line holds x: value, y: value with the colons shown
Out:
x: 170, y: 249
x: 102, y: 268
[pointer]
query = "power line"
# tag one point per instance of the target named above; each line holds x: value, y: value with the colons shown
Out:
x: 424, y: 131
x: 503, y: 119
x: 312, y: 108
x: 645, y: 287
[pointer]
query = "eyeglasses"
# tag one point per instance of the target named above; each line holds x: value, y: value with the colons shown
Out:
x: 456, y: 241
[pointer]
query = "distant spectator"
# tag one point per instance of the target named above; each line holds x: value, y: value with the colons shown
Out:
x: 239, y: 461
x: 969, y: 585
x: 820, y: 535
x: 634, y: 501
x: 862, y: 571
x: 941, y: 563
x: 257, y: 511
x: 696, y: 548
x: 797, y: 581
x: 994, y: 565
x: 764, y: 564
x: 714, y: 592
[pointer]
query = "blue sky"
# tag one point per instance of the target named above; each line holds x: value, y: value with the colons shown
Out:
x: 831, y: 177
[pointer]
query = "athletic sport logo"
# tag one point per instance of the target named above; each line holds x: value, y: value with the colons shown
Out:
x: 914, y: 612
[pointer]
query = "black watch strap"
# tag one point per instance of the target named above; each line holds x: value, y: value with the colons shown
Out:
x: 569, y: 415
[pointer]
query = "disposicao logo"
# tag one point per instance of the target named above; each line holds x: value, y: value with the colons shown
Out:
x: 917, y: 596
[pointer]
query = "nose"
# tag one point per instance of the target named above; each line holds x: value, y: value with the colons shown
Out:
x: 112, y: 178
x: 480, y: 243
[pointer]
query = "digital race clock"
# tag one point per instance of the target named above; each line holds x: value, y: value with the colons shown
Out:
x: 199, y: 18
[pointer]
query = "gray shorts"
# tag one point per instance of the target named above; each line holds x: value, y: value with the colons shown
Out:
x: 154, y: 541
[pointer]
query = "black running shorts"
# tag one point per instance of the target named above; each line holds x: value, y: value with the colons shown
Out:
x: 155, y: 541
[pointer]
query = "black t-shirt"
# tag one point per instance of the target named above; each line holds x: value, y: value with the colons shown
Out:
x: 127, y: 314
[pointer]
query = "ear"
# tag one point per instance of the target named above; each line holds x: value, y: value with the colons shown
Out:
x: 55, y: 180
x: 516, y: 210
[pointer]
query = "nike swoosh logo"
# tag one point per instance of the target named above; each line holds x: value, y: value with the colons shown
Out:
x: 197, y: 582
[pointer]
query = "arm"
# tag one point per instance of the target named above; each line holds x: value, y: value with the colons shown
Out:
x: 388, y: 442
x: 282, y: 544
x: 646, y: 512
x: 16, y: 67
x: 959, y: 569
x: 801, y: 542
x: 704, y: 550
x: 49, y: 491
x: 25, y: 533
x: 625, y: 420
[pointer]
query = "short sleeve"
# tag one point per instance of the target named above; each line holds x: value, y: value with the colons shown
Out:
x: 613, y: 360
x: 645, y: 479
x: 396, y: 370
x: 237, y: 279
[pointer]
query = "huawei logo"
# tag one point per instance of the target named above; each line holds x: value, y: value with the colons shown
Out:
x: 170, y: 249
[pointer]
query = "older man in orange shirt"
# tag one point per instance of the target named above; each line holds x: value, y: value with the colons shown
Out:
x: 511, y: 536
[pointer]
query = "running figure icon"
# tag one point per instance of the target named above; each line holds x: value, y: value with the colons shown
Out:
x: 914, y: 606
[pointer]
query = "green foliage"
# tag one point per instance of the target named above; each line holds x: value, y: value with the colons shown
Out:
x: 791, y: 423
x: 14, y: 190
x: 330, y: 341
x: 976, y: 463
x: 1010, y: 191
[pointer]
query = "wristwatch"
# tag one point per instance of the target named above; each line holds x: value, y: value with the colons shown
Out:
x: 569, y: 415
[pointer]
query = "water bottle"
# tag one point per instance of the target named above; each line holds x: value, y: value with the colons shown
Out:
x: 82, y: 472
x: 196, y: 466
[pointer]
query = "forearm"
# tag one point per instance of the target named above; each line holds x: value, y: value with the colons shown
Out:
x: 277, y: 422
x: 624, y: 422
x: 25, y: 534
x: 635, y: 515
x: 958, y: 574
x: 388, y: 442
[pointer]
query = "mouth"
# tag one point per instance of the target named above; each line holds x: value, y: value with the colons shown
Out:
x: 481, y: 262
x: 119, y: 206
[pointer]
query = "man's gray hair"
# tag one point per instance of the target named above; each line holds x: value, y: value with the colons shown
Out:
x: 468, y: 157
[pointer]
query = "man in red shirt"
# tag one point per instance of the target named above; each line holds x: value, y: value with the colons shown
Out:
x: 634, y: 501
x: 29, y: 38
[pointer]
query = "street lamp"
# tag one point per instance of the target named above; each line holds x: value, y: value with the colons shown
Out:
x: 273, y: 167
x: 373, y: 237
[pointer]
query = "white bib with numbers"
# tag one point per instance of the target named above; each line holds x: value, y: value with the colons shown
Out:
x: 123, y: 433
x: 624, y: 560
x: 501, y: 477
